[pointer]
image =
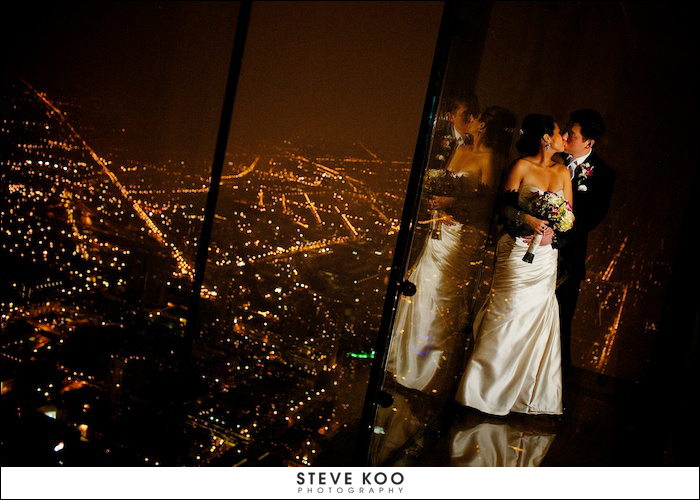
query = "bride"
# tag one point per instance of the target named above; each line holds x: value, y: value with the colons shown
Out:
x: 427, y: 347
x: 516, y: 362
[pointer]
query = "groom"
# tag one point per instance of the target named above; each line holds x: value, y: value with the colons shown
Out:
x: 592, y: 183
x: 451, y: 132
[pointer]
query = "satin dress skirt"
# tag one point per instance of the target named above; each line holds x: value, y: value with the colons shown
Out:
x: 428, y: 342
x: 516, y: 362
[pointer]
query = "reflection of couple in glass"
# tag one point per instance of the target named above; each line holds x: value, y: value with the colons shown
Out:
x: 516, y: 363
x: 427, y: 351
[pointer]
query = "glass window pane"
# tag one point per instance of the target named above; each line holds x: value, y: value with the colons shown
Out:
x: 110, y: 112
x: 114, y: 116
x: 550, y: 58
x: 324, y: 126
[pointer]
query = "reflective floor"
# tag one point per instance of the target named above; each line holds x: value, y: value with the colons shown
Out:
x: 607, y: 422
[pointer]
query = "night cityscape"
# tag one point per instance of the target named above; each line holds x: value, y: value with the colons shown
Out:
x: 101, y: 261
x: 100, y: 264
x: 105, y: 186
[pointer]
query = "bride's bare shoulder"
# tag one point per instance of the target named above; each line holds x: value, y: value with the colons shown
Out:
x: 521, y: 165
x: 561, y: 169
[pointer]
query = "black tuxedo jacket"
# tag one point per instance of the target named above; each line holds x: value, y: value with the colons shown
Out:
x: 591, y: 197
x: 444, y: 146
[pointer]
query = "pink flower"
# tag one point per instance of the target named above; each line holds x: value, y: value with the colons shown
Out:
x: 586, y: 172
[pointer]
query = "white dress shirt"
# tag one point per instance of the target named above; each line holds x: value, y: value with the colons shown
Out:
x: 577, y: 161
x: 458, y: 137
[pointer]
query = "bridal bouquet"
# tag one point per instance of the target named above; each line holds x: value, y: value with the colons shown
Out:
x: 555, y: 209
x: 439, y: 182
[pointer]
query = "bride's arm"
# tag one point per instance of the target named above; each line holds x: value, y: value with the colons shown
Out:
x: 515, y: 176
x: 490, y: 170
x: 508, y: 202
x: 510, y: 208
x: 568, y: 189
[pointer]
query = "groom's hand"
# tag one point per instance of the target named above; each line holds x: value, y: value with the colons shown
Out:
x: 448, y: 220
x: 537, y: 225
x: 441, y: 202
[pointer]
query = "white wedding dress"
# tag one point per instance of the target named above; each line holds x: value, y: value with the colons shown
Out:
x: 429, y: 340
x: 516, y: 362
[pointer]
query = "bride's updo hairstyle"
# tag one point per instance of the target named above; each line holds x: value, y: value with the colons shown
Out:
x: 534, y: 127
x: 498, y: 128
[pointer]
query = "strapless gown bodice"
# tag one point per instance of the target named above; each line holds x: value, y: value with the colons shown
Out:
x: 529, y: 193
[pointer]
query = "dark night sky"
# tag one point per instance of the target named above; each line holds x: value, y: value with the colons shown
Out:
x: 155, y: 66
x: 356, y: 70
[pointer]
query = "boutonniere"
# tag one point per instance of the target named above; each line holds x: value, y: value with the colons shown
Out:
x: 586, y: 171
x: 446, y: 142
x: 446, y: 145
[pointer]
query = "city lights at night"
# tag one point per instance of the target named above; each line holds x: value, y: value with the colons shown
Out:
x: 112, y: 354
x: 276, y: 266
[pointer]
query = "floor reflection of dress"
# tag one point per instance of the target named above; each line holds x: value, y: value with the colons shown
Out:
x: 429, y: 339
x: 411, y: 433
x: 481, y: 441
